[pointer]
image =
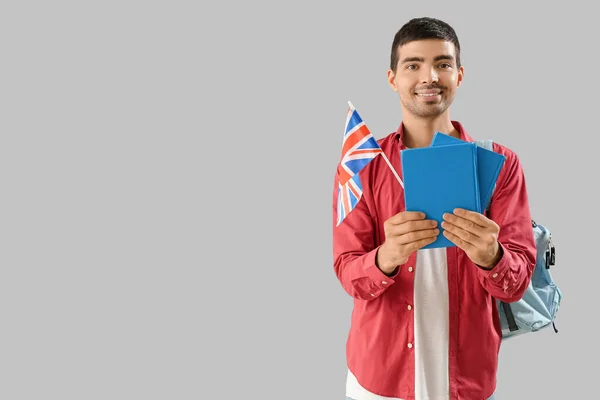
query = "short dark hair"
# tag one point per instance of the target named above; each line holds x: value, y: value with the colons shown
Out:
x: 420, y: 29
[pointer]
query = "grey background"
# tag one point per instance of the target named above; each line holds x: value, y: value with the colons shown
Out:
x: 167, y: 171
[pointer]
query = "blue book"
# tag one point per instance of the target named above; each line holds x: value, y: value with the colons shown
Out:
x: 489, y: 165
x: 439, y: 179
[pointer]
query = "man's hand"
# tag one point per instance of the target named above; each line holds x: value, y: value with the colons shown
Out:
x: 405, y: 233
x: 476, y: 234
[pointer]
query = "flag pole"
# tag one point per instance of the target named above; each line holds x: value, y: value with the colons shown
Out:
x: 384, y: 156
x: 392, y: 168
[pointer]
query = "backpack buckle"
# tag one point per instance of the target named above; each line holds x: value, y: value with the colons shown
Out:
x: 550, y: 255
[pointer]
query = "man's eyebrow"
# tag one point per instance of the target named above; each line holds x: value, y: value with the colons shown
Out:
x: 412, y: 59
x: 421, y: 59
x: 443, y: 57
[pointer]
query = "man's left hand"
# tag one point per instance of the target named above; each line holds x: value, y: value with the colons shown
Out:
x: 474, y: 233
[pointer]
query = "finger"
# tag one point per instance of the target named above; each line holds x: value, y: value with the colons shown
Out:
x: 406, y: 216
x: 414, y: 246
x: 463, y: 223
x: 425, y: 242
x: 463, y: 234
x: 466, y: 246
x: 477, y: 218
x: 417, y: 236
x: 411, y: 226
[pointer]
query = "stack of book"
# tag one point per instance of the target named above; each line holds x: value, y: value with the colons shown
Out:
x: 449, y: 174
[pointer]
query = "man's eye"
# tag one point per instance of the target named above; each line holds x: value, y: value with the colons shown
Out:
x: 412, y: 66
x: 445, y: 65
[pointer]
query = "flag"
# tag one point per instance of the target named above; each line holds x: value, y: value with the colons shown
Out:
x: 359, y: 148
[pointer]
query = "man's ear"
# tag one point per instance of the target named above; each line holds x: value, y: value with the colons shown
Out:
x: 461, y: 75
x: 391, y: 80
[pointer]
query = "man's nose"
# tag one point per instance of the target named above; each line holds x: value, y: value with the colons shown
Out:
x: 429, y: 75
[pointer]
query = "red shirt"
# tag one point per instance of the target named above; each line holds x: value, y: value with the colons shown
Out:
x: 381, y: 326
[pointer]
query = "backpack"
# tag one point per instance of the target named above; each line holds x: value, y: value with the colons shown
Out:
x: 538, y: 307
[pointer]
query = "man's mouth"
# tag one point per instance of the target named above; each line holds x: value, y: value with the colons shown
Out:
x: 428, y: 93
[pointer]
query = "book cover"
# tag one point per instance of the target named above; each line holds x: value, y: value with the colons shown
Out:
x: 489, y: 165
x: 439, y: 179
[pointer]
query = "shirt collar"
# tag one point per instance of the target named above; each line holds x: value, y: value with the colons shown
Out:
x: 457, y: 125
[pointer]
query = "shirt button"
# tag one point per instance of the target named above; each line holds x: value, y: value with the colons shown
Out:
x: 384, y: 282
x: 372, y: 295
x: 495, y: 275
x: 410, y: 345
x: 409, y: 307
x: 410, y: 269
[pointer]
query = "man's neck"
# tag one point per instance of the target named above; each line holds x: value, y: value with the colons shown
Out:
x: 419, y: 132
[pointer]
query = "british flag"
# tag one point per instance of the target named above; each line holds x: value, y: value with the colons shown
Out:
x: 358, y: 149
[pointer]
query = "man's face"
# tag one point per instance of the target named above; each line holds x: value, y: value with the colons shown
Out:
x: 426, y: 77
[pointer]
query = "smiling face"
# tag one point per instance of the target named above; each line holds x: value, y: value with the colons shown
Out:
x: 426, y: 77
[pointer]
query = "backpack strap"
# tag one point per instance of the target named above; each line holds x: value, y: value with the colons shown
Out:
x: 486, y: 144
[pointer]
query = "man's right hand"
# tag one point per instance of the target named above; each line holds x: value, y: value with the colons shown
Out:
x: 405, y: 233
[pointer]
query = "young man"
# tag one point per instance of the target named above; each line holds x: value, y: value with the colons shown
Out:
x: 425, y: 324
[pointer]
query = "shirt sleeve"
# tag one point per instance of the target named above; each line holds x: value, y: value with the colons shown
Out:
x: 355, y: 252
x: 509, y: 278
